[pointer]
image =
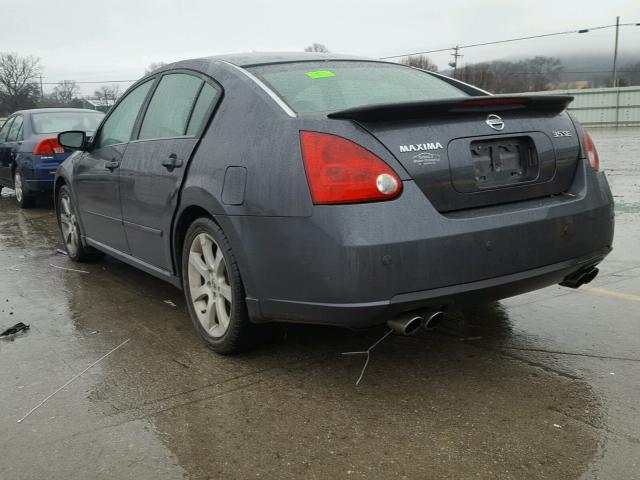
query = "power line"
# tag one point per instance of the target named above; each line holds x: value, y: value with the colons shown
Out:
x: 568, y: 73
x: 92, y: 82
x: 456, y: 53
x: 576, y: 73
x: 496, y: 42
x: 518, y: 73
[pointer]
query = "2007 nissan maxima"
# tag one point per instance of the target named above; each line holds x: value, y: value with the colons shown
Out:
x: 333, y: 190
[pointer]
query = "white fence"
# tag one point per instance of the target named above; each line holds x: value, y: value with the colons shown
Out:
x: 605, y: 107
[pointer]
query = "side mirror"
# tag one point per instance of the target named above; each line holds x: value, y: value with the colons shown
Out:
x: 74, y: 139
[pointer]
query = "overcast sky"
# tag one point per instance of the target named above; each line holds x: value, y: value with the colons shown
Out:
x: 116, y: 39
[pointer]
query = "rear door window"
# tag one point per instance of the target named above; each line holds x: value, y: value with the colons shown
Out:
x: 119, y: 126
x: 171, y: 107
x: 314, y: 87
x: 14, y: 132
x: 5, y: 130
x: 206, y: 99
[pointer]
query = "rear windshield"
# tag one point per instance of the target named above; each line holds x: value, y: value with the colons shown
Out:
x: 56, y: 122
x: 311, y: 87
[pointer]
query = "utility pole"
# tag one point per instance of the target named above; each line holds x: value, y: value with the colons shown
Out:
x: 615, y: 55
x: 454, y: 63
x: 41, y: 89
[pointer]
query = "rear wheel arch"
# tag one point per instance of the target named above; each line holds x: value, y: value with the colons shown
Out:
x: 191, y: 213
x: 23, y: 162
x: 194, y: 202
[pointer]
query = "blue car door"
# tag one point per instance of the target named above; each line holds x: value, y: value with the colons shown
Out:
x: 5, y: 153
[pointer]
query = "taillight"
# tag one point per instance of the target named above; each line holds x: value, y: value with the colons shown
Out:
x: 590, y: 150
x: 48, y: 146
x: 340, y: 171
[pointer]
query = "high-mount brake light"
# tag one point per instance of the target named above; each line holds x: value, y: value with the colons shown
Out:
x: 48, y: 146
x: 341, y: 171
x: 484, y: 102
x: 590, y: 150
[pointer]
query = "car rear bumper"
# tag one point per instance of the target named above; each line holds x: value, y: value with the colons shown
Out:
x: 38, y: 172
x: 363, y: 315
x: 40, y: 168
x: 358, y: 265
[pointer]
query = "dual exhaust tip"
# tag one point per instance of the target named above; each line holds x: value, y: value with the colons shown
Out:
x: 409, y: 323
x: 580, y: 278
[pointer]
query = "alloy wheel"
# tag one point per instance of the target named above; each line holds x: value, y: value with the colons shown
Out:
x: 69, y: 225
x: 17, y: 180
x: 209, y: 287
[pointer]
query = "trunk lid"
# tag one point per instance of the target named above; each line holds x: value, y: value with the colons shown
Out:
x: 474, y: 152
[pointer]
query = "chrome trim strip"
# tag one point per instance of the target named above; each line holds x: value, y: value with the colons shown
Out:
x: 266, y: 89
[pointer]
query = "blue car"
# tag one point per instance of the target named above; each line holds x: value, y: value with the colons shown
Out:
x: 30, y: 152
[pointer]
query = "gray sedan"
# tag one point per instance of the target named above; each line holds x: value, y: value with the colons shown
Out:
x: 333, y: 190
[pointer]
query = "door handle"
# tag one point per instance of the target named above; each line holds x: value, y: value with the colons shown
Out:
x: 172, y: 162
x: 112, y: 165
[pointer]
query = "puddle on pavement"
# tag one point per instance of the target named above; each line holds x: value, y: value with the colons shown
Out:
x: 429, y: 406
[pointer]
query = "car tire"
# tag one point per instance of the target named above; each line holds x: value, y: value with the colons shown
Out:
x: 213, y: 289
x: 23, y: 197
x: 69, y: 227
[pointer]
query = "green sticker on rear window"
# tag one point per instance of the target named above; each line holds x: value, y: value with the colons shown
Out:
x: 321, y: 74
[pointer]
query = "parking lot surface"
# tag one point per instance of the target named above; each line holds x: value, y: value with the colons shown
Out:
x: 544, y: 385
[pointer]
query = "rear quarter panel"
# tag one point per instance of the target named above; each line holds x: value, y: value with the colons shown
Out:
x: 250, y: 131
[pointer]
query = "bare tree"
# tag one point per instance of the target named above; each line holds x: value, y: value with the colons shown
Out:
x: 153, y: 67
x: 482, y: 75
x: 630, y: 74
x: 66, y: 91
x: 107, y: 93
x: 528, y: 75
x: 542, y: 72
x: 420, y: 61
x: 317, y: 47
x: 18, y: 82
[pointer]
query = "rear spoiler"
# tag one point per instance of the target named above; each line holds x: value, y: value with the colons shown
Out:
x: 493, y: 103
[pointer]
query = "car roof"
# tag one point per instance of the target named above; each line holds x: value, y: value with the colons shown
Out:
x: 262, y: 58
x: 250, y: 59
x: 55, y: 110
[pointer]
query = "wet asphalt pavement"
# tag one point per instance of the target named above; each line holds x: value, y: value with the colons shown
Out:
x: 544, y: 385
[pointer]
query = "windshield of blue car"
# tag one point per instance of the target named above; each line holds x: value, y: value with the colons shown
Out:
x: 314, y: 87
x: 56, y: 122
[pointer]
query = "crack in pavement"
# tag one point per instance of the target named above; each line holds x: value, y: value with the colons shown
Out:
x: 146, y: 411
x: 577, y: 354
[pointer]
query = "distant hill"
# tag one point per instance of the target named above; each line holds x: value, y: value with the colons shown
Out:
x: 592, y: 69
x: 595, y: 67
